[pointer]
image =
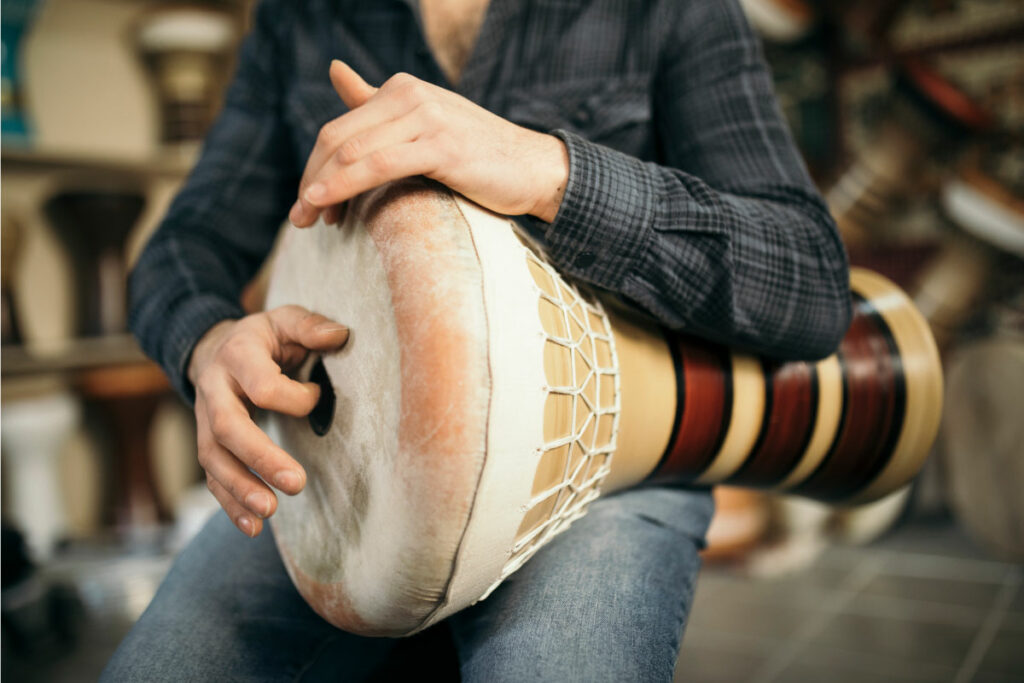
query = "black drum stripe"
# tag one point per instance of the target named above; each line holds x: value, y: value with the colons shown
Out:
x: 677, y: 365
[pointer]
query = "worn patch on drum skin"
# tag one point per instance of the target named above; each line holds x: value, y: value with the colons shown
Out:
x: 374, y: 538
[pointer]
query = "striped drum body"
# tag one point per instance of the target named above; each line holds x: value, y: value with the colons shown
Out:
x: 850, y: 428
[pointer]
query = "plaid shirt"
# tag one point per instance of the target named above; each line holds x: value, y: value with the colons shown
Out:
x: 686, y: 195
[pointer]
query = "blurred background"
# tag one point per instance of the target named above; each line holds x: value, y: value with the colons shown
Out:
x: 910, y: 115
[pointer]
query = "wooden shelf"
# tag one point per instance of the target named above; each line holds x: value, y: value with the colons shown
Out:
x: 171, y: 165
x: 70, y: 356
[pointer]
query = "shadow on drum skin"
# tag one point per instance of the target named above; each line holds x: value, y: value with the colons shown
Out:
x: 322, y: 415
x: 349, y: 513
x: 331, y: 419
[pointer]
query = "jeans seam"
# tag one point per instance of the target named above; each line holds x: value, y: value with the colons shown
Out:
x: 315, y: 656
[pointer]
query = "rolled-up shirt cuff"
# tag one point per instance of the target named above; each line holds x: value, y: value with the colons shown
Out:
x: 603, y: 224
x: 189, y: 323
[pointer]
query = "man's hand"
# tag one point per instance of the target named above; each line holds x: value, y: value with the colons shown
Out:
x: 237, y: 367
x: 409, y: 127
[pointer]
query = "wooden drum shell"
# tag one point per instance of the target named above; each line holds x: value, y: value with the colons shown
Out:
x: 847, y: 429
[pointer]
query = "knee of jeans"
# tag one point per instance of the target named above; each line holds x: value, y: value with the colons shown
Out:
x: 686, y: 512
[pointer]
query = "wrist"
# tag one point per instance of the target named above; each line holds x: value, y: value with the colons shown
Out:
x: 204, y: 349
x: 552, y: 178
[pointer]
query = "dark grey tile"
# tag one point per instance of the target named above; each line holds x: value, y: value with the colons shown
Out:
x: 942, y: 539
x: 839, y: 666
x: 1006, y: 653
x: 1017, y: 604
x: 979, y: 594
x: 807, y: 588
x: 699, y: 664
x: 729, y: 614
x: 990, y: 677
x: 936, y: 643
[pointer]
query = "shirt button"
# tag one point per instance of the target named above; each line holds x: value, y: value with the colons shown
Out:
x: 584, y: 259
x: 582, y: 116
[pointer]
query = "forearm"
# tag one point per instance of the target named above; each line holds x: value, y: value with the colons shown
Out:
x: 763, y: 271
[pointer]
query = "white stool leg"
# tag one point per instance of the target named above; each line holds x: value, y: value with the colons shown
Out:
x: 34, y: 432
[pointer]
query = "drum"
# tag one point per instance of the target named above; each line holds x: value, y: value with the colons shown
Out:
x: 982, y: 437
x: 927, y: 120
x: 482, y: 402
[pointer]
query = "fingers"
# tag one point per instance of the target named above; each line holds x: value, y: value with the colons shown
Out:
x: 230, y: 426
x: 399, y: 95
x: 332, y: 135
x: 229, y: 485
x: 247, y: 523
x: 245, y: 488
x: 360, y: 145
x: 296, y: 325
x: 263, y: 383
x: 351, y: 87
x: 245, y: 370
x: 383, y: 165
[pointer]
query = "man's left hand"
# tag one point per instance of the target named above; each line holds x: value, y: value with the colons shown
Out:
x: 410, y: 127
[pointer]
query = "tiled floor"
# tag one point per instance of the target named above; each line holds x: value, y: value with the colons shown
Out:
x: 922, y: 605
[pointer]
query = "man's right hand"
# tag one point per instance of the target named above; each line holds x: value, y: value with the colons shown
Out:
x: 236, y: 367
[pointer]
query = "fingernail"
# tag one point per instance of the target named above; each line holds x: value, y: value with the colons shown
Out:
x: 328, y: 328
x: 258, y: 503
x: 287, y: 480
x: 246, y: 525
x: 315, y: 192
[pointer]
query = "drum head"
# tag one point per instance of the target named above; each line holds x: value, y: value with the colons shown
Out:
x: 457, y: 434
x: 393, y: 465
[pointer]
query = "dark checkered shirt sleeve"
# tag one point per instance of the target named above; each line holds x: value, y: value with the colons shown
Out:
x: 739, y: 248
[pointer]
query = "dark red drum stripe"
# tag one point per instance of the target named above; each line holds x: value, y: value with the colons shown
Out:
x: 874, y: 392
x: 703, y: 412
x: 791, y: 406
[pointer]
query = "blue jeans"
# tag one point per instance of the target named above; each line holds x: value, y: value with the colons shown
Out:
x: 606, y: 600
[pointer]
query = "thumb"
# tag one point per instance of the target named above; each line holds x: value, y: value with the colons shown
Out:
x: 293, y: 324
x: 354, y: 91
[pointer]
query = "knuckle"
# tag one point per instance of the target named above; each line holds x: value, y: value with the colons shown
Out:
x: 432, y: 113
x: 262, y: 392
x: 220, y: 424
x: 326, y: 136
x: 417, y: 92
x: 350, y: 150
x: 204, y: 383
x: 261, y: 462
x: 399, y: 80
x: 231, y: 350
x: 380, y: 162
